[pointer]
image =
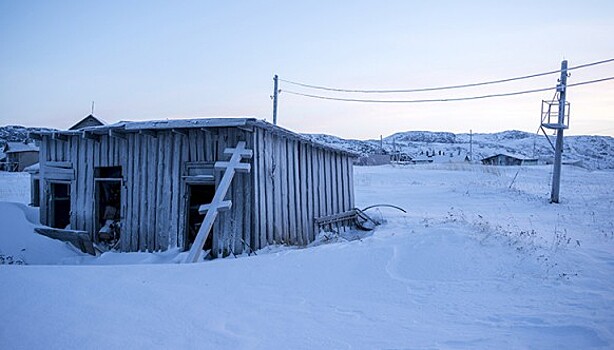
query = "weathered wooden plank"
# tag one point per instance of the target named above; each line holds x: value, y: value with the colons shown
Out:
x: 277, y: 190
x: 254, y: 240
x: 89, y: 186
x: 193, y: 140
x: 303, y: 206
x: 334, y: 183
x: 103, y: 152
x: 126, y: 180
x: 62, y: 164
x: 316, y: 189
x: 142, y: 192
x: 346, y: 183
x: 285, y: 203
x: 322, y: 175
x: 161, y: 234
x: 74, y: 151
x: 351, y: 183
x: 171, y: 223
x: 179, y: 198
x: 152, y: 182
x: 311, y: 199
x: 136, y: 203
x: 260, y: 186
x: 293, y: 188
x: 200, y: 146
x: 247, y: 199
x: 126, y: 228
x: 44, y: 203
x: 79, y: 239
x: 268, y: 147
x: 339, y: 187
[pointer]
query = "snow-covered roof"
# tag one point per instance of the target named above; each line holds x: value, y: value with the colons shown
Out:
x: 16, y: 147
x: 520, y: 157
x: 196, y: 123
x: 90, y: 120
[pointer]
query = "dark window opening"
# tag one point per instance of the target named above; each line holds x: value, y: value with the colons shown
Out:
x: 197, y: 196
x: 108, y: 172
x: 60, y: 205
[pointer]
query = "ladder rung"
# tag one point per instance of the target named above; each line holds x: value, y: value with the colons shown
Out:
x: 223, y: 206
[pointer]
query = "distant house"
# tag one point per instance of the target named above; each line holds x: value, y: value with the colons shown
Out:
x: 140, y: 185
x: 507, y: 159
x: 422, y: 160
x: 373, y: 159
x: 88, y: 121
x: 19, y: 155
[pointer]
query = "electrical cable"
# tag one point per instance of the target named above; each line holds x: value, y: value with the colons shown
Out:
x: 317, y: 87
x: 442, y: 99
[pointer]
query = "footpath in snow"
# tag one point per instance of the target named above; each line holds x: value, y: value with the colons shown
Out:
x: 481, y: 260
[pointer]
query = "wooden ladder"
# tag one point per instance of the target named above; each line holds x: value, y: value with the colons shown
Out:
x: 219, y: 203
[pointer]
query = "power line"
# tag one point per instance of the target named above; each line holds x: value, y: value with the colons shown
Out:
x: 317, y: 87
x: 441, y: 99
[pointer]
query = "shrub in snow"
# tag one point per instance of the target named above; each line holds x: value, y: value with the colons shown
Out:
x: 9, y: 260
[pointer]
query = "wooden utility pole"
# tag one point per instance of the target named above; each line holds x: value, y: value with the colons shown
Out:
x: 275, y: 94
x: 558, y: 151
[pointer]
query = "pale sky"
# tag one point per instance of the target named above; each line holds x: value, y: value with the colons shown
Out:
x: 141, y: 60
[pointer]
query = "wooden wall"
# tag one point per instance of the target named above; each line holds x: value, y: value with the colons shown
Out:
x: 291, y: 183
x: 295, y: 182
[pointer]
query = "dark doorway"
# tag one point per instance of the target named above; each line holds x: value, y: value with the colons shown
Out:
x: 197, y: 196
x: 35, y: 196
x: 60, y: 204
x: 108, y: 184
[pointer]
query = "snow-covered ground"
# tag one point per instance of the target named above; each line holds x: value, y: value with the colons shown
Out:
x: 481, y: 260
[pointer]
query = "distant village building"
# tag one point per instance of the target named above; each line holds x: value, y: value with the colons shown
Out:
x: 19, y: 155
x: 506, y: 159
x: 142, y: 183
x: 86, y: 122
x: 373, y: 159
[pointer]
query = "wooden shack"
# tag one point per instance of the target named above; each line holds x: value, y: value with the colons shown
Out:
x: 508, y: 160
x: 19, y: 155
x: 151, y: 177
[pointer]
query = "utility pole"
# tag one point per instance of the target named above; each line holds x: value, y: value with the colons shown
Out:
x: 275, y: 94
x: 558, y: 150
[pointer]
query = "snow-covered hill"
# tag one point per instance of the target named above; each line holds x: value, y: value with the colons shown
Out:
x: 592, y: 152
x: 15, y: 133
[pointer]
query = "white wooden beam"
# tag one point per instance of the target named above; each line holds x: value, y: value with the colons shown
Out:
x: 218, y: 203
x: 240, y: 168
x: 224, y: 206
